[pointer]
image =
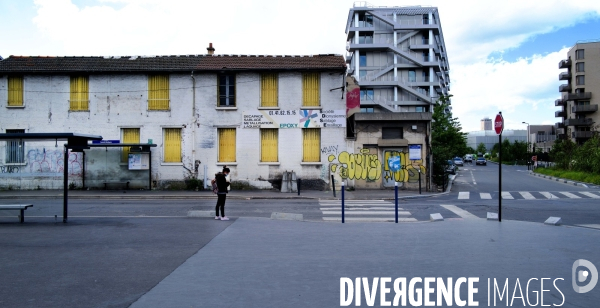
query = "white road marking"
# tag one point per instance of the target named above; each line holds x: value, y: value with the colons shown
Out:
x: 458, y: 211
x: 473, y: 178
x: 526, y: 195
x: 485, y: 195
x: 463, y: 195
x: 372, y: 219
x: 594, y: 226
x: 406, y: 213
x: 506, y: 195
x: 570, y: 195
x: 548, y: 195
x: 359, y: 208
x: 589, y: 194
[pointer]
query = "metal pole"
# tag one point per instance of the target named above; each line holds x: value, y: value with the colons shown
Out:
x: 333, y: 185
x: 299, y: 181
x: 65, y: 184
x: 419, y: 181
x: 396, y: 198
x: 83, y: 167
x: 500, y: 178
x: 343, y: 220
x: 149, y: 169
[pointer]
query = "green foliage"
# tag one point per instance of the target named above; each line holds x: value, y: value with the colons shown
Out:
x: 569, y: 156
x: 579, y: 176
x: 481, y: 148
x: 563, y: 152
x: 511, y: 152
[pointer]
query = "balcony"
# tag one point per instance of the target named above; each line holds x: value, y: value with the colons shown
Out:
x: 558, y: 125
x: 559, y: 102
x: 564, y: 63
x: 584, y: 108
x: 560, y: 131
x: 581, y: 134
x: 564, y: 88
x: 564, y: 76
x: 559, y: 114
x: 578, y: 96
x: 579, y: 122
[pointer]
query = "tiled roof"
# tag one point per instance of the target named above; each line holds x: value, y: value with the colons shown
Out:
x: 25, y: 64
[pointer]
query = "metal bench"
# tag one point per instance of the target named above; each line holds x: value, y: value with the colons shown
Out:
x: 109, y: 183
x: 21, y: 207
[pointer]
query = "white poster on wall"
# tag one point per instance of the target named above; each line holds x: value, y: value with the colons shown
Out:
x: 414, y: 152
x: 139, y: 161
x: 304, y: 118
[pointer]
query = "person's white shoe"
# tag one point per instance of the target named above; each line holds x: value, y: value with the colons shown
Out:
x: 217, y: 217
x: 224, y: 218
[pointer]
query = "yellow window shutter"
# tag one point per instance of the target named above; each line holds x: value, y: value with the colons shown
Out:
x: 310, y: 90
x: 269, y: 145
x: 158, y: 92
x: 311, y: 145
x: 129, y: 135
x: 172, y: 145
x: 268, y: 87
x: 15, y: 91
x: 79, y: 93
x: 226, y: 144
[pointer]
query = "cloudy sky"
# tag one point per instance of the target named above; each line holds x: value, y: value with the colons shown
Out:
x: 503, y: 55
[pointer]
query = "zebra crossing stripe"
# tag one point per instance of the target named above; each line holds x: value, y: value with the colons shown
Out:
x: 548, y: 195
x: 526, y: 195
x: 370, y: 219
x: 485, y: 195
x: 359, y: 208
x: 506, y: 195
x: 391, y: 213
x: 570, y: 195
x: 463, y: 195
x: 589, y: 194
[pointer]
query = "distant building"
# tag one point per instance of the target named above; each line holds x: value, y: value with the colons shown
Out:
x: 541, y: 137
x: 486, y: 124
x: 489, y: 137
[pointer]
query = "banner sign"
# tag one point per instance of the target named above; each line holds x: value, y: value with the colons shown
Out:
x: 304, y: 118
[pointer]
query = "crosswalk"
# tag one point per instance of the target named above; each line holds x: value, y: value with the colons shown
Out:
x: 529, y: 195
x: 363, y: 211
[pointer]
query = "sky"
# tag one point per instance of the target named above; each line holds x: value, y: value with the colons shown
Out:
x: 503, y: 55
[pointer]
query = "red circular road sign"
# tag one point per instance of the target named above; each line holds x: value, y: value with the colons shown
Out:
x: 499, y: 124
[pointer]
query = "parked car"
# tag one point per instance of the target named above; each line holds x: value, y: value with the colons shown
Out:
x: 458, y: 161
x: 468, y: 158
x: 451, y: 167
x: 481, y: 161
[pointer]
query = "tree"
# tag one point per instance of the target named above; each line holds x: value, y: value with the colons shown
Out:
x: 447, y: 140
x: 481, y: 148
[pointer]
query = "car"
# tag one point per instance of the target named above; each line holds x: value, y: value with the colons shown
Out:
x: 451, y: 167
x: 458, y: 161
x: 468, y: 158
x: 481, y: 161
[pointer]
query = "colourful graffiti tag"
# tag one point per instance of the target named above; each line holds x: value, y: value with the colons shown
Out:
x: 51, y: 161
x: 407, y: 171
x: 363, y: 166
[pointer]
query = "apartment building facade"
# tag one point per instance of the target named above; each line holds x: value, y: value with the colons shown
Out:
x: 261, y: 116
x: 398, y: 56
x: 578, y: 116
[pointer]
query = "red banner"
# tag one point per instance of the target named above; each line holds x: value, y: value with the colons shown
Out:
x: 352, y: 96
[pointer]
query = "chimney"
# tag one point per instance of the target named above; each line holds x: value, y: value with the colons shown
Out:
x: 211, y: 50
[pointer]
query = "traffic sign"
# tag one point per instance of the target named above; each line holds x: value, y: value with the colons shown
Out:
x: 499, y: 124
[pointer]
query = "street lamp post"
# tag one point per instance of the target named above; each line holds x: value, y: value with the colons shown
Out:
x: 527, y: 136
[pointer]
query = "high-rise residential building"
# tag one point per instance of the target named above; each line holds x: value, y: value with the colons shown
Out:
x: 580, y: 95
x: 398, y: 56
x: 486, y: 124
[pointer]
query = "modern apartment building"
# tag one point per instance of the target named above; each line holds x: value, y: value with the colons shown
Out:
x: 398, y: 57
x: 578, y: 114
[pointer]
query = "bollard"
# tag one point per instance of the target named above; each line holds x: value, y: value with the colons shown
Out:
x: 396, y: 192
x: 419, y: 181
x: 299, y: 181
x: 343, y: 202
x: 333, y: 185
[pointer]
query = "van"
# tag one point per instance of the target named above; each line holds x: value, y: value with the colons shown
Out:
x: 468, y: 158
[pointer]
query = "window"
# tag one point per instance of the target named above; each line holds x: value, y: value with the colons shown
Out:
x: 367, y: 94
x: 15, y: 149
x: 420, y: 109
x: 426, y: 57
x: 172, y: 145
x: 128, y: 135
x: 226, y: 144
x: 362, y: 59
x: 79, y: 93
x: 158, y: 92
x: 425, y: 19
x: 580, y: 80
x: 580, y: 67
x: 311, y: 145
x: 269, y: 145
x: 579, y: 54
x: 367, y: 110
x: 391, y: 133
x: 15, y: 91
x: 268, y: 90
x: 310, y: 90
x: 412, y: 76
x: 365, y: 38
x: 226, y: 89
x: 365, y: 20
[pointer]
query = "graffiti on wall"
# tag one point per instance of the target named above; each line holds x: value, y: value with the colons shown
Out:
x: 398, y: 167
x: 362, y: 166
x: 52, y: 161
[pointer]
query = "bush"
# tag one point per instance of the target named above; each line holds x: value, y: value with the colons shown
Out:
x: 579, y: 176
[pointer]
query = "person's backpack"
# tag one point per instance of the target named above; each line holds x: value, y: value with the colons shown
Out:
x: 215, y: 189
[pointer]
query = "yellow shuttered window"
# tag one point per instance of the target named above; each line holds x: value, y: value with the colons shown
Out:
x: 311, y: 145
x: 226, y: 144
x: 268, y: 90
x: 269, y: 145
x: 310, y: 90
x: 129, y: 135
x: 15, y: 91
x: 172, y: 144
x: 79, y: 93
x: 158, y: 92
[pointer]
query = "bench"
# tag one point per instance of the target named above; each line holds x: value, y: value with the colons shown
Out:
x: 21, y: 207
x: 118, y: 183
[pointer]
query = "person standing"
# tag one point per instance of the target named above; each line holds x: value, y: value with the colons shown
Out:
x: 222, y: 186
